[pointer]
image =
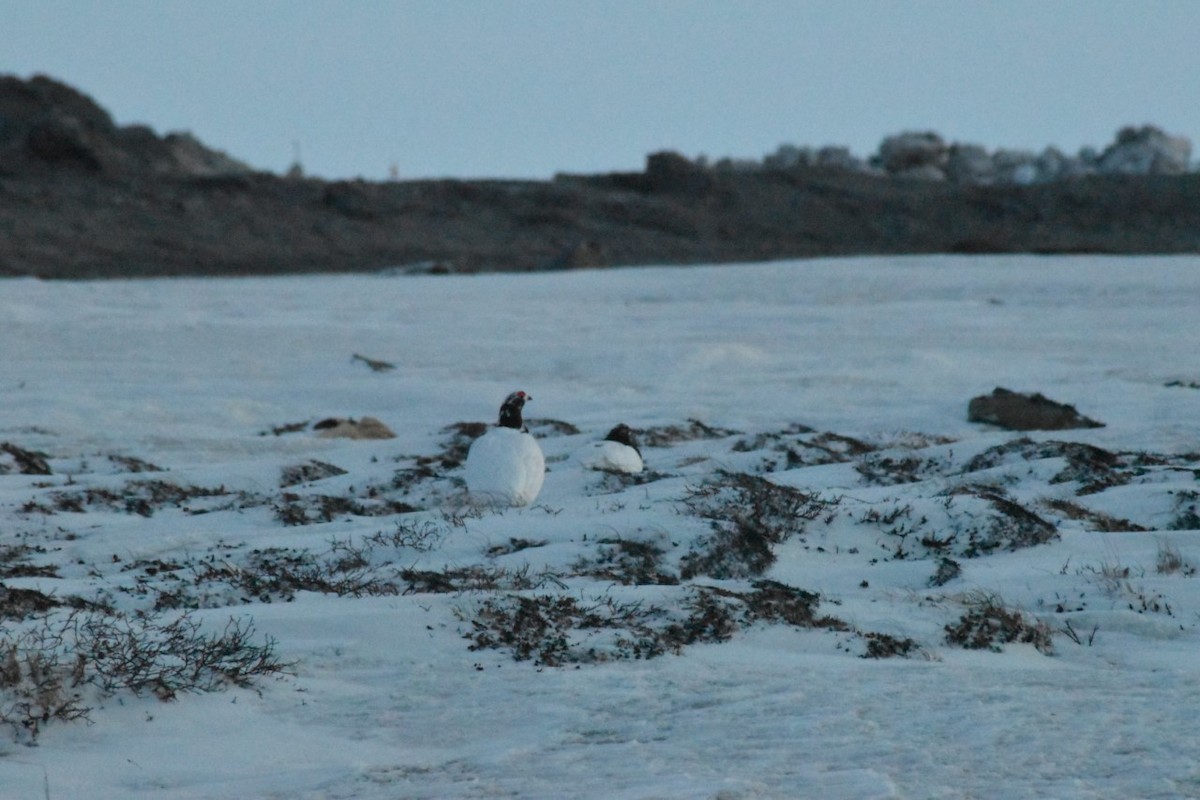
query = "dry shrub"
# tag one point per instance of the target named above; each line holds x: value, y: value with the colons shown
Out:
x: 988, y: 625
x: 48, y: 669
x: 667, y: 435
x: 555, y: 630
x: 628, y: 562
x: 750, y: 516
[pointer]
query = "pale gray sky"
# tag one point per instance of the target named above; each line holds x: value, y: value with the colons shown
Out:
x: 527, y: 88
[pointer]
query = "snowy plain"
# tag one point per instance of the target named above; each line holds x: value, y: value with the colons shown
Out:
x: 847, y: 379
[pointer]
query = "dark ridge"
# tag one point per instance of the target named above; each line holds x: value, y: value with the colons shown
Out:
x: 81, y: 197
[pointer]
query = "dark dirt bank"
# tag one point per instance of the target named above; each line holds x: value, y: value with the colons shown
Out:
x: 82, y: 197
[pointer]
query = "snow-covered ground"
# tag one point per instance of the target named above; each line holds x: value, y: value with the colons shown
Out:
x: 845, y: 382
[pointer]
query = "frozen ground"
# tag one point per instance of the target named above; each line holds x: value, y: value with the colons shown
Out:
x: 844, y: 382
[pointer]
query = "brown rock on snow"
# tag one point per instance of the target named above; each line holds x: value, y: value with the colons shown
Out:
x: 365, y: 428
x: 1026, y: 412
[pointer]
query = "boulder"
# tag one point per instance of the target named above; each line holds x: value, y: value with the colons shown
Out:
x: 970, y: 164
x: 1053, y: 165
x: 671, y: 172
x: 840, y: 158
x: 922, y: 172
x: 365, y: 428
x: 906, y: 152
x: 1018, y: 167
x: 789, y: 156
x: 46, y: 122
x: 1016, y: 411
x: 189, y: 156
x: 1147, y: 150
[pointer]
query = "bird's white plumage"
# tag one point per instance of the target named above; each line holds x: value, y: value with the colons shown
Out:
x: 505, y: 466
x: 610, y: 456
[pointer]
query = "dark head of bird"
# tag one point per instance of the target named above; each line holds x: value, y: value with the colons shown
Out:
x: 623, y: 434
x: 510, y: 411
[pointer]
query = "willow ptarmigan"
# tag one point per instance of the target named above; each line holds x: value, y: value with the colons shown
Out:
x: 505, y: 465
x: 618, y: 452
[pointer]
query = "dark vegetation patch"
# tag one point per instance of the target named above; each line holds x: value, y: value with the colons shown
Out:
x: 27, y: 462
x: 133, y: 464
x: 295, y: 509
x: 267, y: 575
x: 18, y: 604
x: 969, y: 521
x: 775, y: 602
x: 142, y: 497
x: 749, y: 516
x: 884, y: 645
x: 50, y: 670
x: 542, y: 627
x: 513, y: 545
x: 1095, y: 520
x: 988, y: 625
x: 459, y: 437
x: 1093, y: 468
x: 775, y: 440
x: 555, y: 630
x: 419, y: 535
x: 16, y: 562
x: 1187, y: 511
x: 458, y: 580
x: 947, y: 570
x: 882, y: 469
x: 800, y: 446
x: 628, y: 562
x: 1014, y: 527
x: 1172, y: 562
x: 840, y: 447
x: 368, y: 567
x: 306, y: 473
x: 544, y: 428
x: 693, y: 429
x: 274, y: 574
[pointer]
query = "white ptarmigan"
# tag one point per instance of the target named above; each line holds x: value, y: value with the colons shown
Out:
x: 505, y: 465
x: 617, y: 453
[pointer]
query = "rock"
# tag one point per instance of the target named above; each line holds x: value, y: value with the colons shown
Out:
x: 63, y: 141
x: 970, y: 164
x: 1026, y: 412
x: 191, y: 157
x: 908, y: 151
x: 924, y: 172
x: 46, y: 122
x: 673, y: 173
x: 789, y: 156
x: 365, y: 428
x: 1053, y: 165
x: 840, y: 158
x: 1018, y: 167
x: 1146, y: 151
